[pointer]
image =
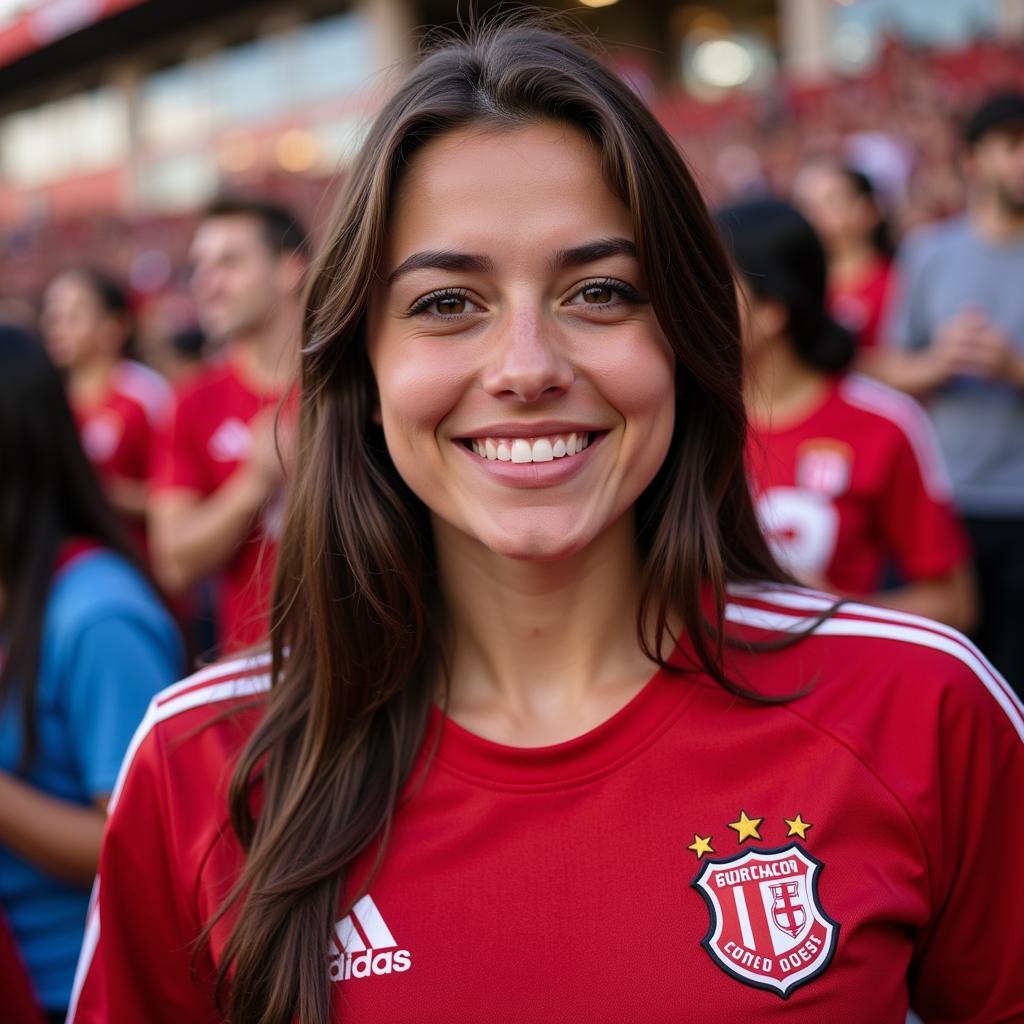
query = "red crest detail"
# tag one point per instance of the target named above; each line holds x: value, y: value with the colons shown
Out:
x: 768, y: 928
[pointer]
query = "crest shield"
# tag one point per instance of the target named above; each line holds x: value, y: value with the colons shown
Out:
x: 768, y: 928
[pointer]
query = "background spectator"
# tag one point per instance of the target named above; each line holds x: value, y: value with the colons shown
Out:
x: 85, y: 644
x: 847, y: 476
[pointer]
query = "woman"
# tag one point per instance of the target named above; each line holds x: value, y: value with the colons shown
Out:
x: 118, y: 404
x: 85, y: 644
x: 850, y: 485
x: 843, y: 205
x: 477, y: 778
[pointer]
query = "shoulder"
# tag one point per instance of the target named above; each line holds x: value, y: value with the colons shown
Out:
x: 97, y: 583
x: 204, y: 385
x: 194, y: 729
x: 144, y: 387
x: 928, y: 240
x: 901, y: 421
x: 873, y: 672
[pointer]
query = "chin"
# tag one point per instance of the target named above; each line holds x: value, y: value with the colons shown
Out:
x: 541, y: 545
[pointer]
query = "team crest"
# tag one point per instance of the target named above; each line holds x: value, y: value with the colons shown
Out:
x: 768, y: 928
x: 824, y: 466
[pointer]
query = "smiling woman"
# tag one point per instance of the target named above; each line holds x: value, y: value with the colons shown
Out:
x: 543, y: 733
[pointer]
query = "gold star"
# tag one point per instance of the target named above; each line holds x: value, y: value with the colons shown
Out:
x: 701, y: 845
x: 746, y: 828
x: 797, y: 827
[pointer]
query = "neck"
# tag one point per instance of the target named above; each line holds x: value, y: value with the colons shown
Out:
x: 779, y: 388
x: 542, y: 650
x: 994, y: 220
x: 267, y: 357
x: 90, y: 381
x: 849, y: 258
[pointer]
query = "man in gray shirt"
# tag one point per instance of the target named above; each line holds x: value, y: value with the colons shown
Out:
x: 954, y: 337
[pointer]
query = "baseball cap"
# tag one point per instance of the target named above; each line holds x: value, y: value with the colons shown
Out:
x: 997, y: 111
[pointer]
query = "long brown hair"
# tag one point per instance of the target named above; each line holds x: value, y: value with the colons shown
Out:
x: 355, y: 603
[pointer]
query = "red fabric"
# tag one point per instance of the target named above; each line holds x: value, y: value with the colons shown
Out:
x: 16, y: 995
x: 859, y: 304
x: 118, y: 432
x: 206, y: 442
x: 857, y: 485
x: 556, y: 883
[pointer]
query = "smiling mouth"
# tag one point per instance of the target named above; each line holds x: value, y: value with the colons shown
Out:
x: 523, y: 450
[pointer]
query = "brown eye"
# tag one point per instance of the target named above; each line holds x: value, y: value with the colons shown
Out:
x: 598, y: 294
x: 450, y: 305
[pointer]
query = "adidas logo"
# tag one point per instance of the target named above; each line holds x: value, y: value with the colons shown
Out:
x: 363, y: 945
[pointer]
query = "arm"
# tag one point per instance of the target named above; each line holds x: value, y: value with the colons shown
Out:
x: 967, y: 958
x: 137, y: 961
x: 129, y: 497
x: 951, y: 598
x: 192, y: 536
x: 60, y: 837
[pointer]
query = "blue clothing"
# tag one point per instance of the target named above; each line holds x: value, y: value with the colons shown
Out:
x: 108, y: 645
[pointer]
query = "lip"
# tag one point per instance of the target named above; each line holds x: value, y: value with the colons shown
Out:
x: 541, y: 428
x: 533, y: 475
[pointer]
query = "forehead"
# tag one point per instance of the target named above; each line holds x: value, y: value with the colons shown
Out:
x: 237, y: 232
x: 71, y: 288
x: 504, y: 191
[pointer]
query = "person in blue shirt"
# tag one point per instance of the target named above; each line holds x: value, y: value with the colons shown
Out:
x: 85, y: 643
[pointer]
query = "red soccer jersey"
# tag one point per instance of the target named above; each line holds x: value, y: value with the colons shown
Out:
x: 118, y: 432
x: 858, y: 486
x: 697, y: 857
x: 206, y: 442
x: 858, y: 304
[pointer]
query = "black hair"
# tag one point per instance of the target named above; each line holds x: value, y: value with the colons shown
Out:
x: 780, y: 257
x: 1001, y: 112
x: 282, y: 230
x: 864, y: 187
x: 49, y: 494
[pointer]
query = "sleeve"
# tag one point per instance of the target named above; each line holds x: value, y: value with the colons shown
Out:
x: 137, y: 962
x: 120, y: 662
x: 921, y: 530
x: 968, y: 961
x: 177, y: 460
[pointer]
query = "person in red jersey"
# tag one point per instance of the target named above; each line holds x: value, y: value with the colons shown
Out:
x: 849, y: 481
x: 842, y: 204
x: 218, y: 486
x: 118, y: 403
x: 542, y: 735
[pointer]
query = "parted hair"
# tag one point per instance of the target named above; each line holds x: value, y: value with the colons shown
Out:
x: 358, y: 624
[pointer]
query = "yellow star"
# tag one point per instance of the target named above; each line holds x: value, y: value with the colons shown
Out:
x: 701, y: 845
x: 797, y: 827
x: 746, y: 828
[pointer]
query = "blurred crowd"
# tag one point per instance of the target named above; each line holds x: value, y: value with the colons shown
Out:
x: 865, y: 287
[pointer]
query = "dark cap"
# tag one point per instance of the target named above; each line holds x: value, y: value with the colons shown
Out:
x: 996, y: 112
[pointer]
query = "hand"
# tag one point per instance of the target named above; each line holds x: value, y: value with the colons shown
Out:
x: 271, y: 450
x: 970, y: 345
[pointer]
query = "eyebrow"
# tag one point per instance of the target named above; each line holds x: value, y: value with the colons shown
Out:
x: 448, y: 259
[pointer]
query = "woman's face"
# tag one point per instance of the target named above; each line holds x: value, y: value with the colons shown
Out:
x: 75, y: 325
x: 526, y: 389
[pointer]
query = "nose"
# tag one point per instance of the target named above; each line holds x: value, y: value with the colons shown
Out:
x: 527, y: 360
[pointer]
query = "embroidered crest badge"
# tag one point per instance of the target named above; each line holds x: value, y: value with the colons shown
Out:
x: 768, y: 928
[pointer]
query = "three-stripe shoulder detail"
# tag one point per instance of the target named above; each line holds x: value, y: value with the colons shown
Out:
x: 787, y: 609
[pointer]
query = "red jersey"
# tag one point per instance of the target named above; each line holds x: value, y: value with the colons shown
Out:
x: 206, y: 442
x: 118, y: 432
x: 696, y: 857
x: 857, y: 487
x: 858, y: 304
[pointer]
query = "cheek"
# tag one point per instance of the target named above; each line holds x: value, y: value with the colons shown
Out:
x: 637, y: 375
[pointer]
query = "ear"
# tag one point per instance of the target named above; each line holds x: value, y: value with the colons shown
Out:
x: 291, y: 271
x: 772, y: 317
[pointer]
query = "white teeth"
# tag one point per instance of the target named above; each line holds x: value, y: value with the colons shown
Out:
x: 542, y: 451
x: 521, y: 451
